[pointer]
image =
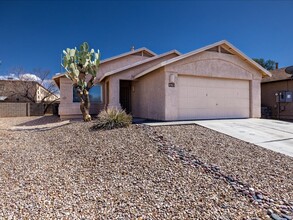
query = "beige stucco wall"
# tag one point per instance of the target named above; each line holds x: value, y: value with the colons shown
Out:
x: 213, y: 64
x: 43, y: 95
x: 68, y: 108
x: 148, y: 96
x: 128, y: 74
x: 268, y: 98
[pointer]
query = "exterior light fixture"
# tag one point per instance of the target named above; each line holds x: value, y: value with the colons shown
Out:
x: 171, y: 80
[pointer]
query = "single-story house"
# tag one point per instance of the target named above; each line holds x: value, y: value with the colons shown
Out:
x: 213, y: 82
x: 276, y: 98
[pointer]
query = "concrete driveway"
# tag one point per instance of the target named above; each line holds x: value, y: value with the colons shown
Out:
x: 271, y: 134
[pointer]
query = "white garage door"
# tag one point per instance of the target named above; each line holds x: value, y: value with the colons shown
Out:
x: 211, y: 98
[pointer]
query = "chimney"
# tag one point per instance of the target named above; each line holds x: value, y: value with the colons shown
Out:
x: 277, y: 65
x: 132, y: 48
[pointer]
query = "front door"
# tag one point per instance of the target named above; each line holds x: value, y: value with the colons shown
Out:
x: 125, y: 95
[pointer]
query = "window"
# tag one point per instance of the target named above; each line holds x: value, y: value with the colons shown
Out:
x: 95, y: 94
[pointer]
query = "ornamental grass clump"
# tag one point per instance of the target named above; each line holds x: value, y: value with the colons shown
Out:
x: 112, y: 118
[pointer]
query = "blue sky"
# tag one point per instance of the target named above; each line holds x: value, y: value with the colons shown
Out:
x: 34, y: 33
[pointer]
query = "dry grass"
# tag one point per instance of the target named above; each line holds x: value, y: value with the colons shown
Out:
x: 112, y: 118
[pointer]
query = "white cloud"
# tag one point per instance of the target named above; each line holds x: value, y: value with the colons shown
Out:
x: 30, y: 77
x: 10, y: 76
x: 24, y: 77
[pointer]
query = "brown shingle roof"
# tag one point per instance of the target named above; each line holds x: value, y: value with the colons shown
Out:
x: 277, y: 75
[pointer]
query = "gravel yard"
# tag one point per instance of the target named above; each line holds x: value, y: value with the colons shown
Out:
x: 71, y: 172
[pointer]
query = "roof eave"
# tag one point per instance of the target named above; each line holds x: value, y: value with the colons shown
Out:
x: 263, y: 71
x: 56, y: 79
x: 246, y: 58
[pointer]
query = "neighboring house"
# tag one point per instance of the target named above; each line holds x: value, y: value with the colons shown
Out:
x: 25, y: 91
x: 276, y: 95
x: 216, y: 81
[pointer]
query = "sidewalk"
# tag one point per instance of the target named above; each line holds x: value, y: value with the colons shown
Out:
x: 31, y: 123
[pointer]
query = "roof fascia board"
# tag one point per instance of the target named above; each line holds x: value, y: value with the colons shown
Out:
x: 246, y: 58
x: 278, y: 80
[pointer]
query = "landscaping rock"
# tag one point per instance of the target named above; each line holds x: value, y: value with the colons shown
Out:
x: 70, y: 172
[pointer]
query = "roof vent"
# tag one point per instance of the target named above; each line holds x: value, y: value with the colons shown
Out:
x: 289, y: 70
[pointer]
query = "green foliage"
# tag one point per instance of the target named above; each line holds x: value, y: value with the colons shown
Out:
x: 267, y: 64
x: 112, y: 118
x: 77, y: 61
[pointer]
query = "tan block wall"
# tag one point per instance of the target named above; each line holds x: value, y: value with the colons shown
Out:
x: 268, y: 98
x: 13, y: 109
x: 20, y: 109
x: 36, y: 109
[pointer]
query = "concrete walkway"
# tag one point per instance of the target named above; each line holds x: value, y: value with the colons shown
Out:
x: 41, y: 123
x: 271, y: 134
x: 43, y: 127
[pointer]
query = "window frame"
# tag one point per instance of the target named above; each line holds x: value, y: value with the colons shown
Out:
x: 75, y: 97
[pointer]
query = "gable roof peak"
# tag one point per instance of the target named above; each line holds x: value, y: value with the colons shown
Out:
x: 227, y: 46
x: 142, y: 49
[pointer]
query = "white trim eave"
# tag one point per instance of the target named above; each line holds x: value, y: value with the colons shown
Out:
x: 238, y: 52
x: 128, y: 53
x: 138, y: 63
x: 56, y: 79
x: 58, y: 76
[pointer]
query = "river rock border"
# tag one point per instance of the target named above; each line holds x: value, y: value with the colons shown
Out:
x: 277, y: 210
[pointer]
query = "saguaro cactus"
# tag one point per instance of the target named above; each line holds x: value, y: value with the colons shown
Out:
x: 78, y: 64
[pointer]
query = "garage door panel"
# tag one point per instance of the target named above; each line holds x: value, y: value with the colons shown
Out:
x: 208, y: 98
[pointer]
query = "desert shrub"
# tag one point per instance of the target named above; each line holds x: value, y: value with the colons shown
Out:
x: 112, y: 118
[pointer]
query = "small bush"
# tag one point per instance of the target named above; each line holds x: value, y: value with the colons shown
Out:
x: 112, y: 118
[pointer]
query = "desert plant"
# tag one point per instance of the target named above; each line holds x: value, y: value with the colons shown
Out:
x: 78, y: 64
x: 112, y: 118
